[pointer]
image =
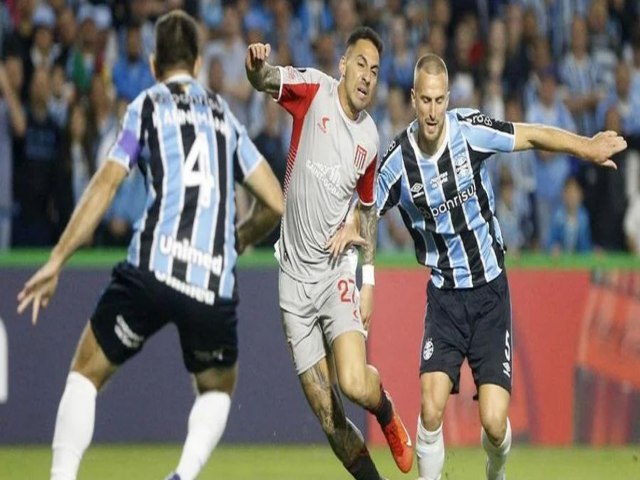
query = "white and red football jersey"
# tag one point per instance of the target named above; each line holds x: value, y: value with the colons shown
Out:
x: 330, y: 158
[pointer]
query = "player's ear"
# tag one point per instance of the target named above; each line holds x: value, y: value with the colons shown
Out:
x: 197, y: 66
x: 413, y: 98
x: 446, y: 101
x: 343, y: 65
x: 152, y: 64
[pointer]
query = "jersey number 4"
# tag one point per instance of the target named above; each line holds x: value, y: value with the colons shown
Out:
x: 197, y: 169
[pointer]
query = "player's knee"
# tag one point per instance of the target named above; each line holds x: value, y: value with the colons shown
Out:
x: 495, y: 425
x: 354, y: 387
x: 216, y: 379
x: 431, y: 412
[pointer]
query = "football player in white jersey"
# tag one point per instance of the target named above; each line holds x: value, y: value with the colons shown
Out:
x: 332, y: 156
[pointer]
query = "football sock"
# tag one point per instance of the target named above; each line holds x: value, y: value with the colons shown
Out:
x: 74, y: 426
x: 207, y: 421
x: 363, y: 468
x: 430, y: 452
x: 384, y: 410
x: 496, y: 456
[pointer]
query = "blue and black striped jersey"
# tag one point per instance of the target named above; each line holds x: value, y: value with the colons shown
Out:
x: 191, y: 150
x: 446, y: 200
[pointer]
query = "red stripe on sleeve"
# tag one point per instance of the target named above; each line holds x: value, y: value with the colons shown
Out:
x: 366, y: 184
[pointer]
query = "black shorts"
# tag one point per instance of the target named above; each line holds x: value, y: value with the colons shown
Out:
x: 135, y: 305
x: 474, y: 323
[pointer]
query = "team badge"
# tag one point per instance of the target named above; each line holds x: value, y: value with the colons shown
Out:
x: 427, y: 351
x: 360, y: 158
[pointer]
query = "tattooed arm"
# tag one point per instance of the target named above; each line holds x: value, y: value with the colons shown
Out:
x: 263, y: 77
x: 368, y: 231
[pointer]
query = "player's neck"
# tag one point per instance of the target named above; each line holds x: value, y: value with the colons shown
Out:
x: 343, y: 99
x: 429, y: 147
x: 175, y: 72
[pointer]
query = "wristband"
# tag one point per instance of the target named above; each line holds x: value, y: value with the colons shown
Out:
x: 368, y: 277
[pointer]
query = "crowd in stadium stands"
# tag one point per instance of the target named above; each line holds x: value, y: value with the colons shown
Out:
x: 69, y: 67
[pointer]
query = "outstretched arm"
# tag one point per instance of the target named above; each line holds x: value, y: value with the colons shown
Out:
x: 263, y: 77
x: 598, y: 149
x: 267, y: 207
x: 94, y: 202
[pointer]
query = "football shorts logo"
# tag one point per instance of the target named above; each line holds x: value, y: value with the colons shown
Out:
x: 427, y: 351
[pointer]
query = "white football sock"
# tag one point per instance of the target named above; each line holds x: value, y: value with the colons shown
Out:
x: 74, y: 426
x: 497, y: 456
x: 430, y: 452
x: 207, y: 421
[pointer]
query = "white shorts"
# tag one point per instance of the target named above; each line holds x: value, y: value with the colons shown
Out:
x: 315, y: 314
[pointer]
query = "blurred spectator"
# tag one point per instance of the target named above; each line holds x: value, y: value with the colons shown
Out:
x: 436, y: 41
x: 540, y: 62
x: 43, y: 52
x: 66, y: 31
x: 552, y: 169
x: 78, y: 152
x: 129, y: 202
x: 132, y: 74
x: 37, y: 169
x: 517, y: 61
x: 396, y: 68
x: 580, y: 75
x: 632, y: 226
x: 103, y: 121
x: 315, y: 17
x: 269, y: 143
x: 12, y: 121
x: 60, y: 96
x: 231, y: 49
x: 625, y: 98
x: 519, y: 170
x: 570, y: 229
x: 604, y: 39
x: 605, y: 196
x: 84, y: 59
x: 326, y: 54
x: 392, y: 234
x: 289, y: 33
x: 509, y: 214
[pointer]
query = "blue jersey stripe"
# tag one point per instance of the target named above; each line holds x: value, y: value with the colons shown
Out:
x: 188, y: 140
x: 447, y: 201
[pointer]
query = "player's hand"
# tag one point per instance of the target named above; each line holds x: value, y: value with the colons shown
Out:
x: 366, y: 305
x: 345, y: 236
x: 39, y: 289
x: 257, y: 54
x: 603, y: 145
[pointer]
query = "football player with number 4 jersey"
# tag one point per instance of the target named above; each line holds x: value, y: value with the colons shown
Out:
x: 181, y: 262
x: 333, y: 152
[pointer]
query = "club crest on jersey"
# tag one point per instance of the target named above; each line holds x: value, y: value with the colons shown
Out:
x: 360, y: 158
x: 462, y: 166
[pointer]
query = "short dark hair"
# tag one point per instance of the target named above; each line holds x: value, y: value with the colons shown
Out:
x: 366, y: 33
x: 176, y: 42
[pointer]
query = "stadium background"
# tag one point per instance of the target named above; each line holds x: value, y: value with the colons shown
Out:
x: 576, y: 410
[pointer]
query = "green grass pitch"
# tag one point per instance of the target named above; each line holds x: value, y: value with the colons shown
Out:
x: 236, y: 462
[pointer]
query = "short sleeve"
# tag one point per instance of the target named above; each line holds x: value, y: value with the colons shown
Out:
x: 128, y: 143
x: 366, y: 186
x: 298, y: 87
x: 486, y: 134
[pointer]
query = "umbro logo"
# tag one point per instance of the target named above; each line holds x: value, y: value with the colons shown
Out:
x: 417, y: 190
